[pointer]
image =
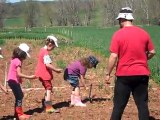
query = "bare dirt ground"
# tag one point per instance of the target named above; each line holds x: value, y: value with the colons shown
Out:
x: 99, y: 109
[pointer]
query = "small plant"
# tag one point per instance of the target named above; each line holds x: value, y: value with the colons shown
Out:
x: 28, y: 84
x: 101, y: 85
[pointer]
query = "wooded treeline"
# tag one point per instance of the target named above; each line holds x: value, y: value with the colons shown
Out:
x: 78, y: 12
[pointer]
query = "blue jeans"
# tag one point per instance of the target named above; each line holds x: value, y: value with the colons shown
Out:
x: 73, y: 80
x: 17, y: 91
x: 138, y: 86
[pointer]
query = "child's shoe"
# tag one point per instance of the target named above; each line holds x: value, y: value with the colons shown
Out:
x: 49, y: 108
x: 20, y: 115
x: 72, y: 100
x: 78, y: 102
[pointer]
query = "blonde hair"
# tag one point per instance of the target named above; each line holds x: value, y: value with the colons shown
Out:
x: 85, y: 62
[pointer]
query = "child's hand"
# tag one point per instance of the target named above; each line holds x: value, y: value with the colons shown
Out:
x: 86, y: 88
x: 32, y: 77
x: 91, y: 77
x: 59, y: 70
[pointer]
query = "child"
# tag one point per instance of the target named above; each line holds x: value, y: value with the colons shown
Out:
x: 44, y: 71
x: 75, y: 72
x: 15, y: 78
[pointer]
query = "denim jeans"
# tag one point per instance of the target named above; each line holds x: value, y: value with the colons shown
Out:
x: 73, y: 80
x: 17, y: 91
x: 138, y: 86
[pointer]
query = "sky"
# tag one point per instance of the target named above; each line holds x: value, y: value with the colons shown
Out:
x: 13, y: 1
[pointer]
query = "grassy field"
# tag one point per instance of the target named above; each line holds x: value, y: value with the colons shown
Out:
x: 94, y: 38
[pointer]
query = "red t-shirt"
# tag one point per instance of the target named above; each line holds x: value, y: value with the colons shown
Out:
x: 41, y: 70
x: 131, y: 44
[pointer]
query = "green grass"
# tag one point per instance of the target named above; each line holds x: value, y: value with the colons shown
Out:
x: 95, y: 38
x: 14, y: 22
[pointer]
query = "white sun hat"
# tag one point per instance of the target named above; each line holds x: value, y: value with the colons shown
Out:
x: 24, y: 47
x: 125, y: 13
x: 51, y: 37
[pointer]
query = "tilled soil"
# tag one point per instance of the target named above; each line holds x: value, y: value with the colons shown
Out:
x: 99, y: 109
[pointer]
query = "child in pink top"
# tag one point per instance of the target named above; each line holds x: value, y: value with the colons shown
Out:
x: 15, y: 78
x: 44, y: 71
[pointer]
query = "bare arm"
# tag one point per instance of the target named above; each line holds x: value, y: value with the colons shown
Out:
x: 82, y: 80
x: 111, y: 63
x: 50, y: 66
x: 20, y: 74
x: 150, y: 54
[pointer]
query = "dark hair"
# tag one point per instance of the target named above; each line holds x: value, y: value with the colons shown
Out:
x: 85, y: 62
x: 18, y: 53
x: 48, y: 40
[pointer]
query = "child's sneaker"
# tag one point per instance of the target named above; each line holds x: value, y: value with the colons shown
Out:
x: 78, y: 102
x: 52, y: 110
x: 49, y: 108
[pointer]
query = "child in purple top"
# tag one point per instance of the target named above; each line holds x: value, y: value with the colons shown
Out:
x: 76, y: 71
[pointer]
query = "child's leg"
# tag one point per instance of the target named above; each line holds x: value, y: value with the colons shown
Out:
x: 17, y: 91
x: 77, y: 98
x: 77, y: 91
x: 48, y: 103
x: 72, y: 97
x: 48, y: 95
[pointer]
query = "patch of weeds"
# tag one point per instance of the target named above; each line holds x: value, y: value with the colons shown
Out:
x: 2, y: 41
x: 101, y: 85
x: 28, y: 84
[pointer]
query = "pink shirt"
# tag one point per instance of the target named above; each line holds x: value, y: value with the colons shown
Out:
x: 12, y: 74
x: 41, y: 70
x: 131, y: 44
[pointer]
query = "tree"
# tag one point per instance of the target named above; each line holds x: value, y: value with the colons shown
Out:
x: 3, y: 11
x: 89, y: 6
x: 32, y: 13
